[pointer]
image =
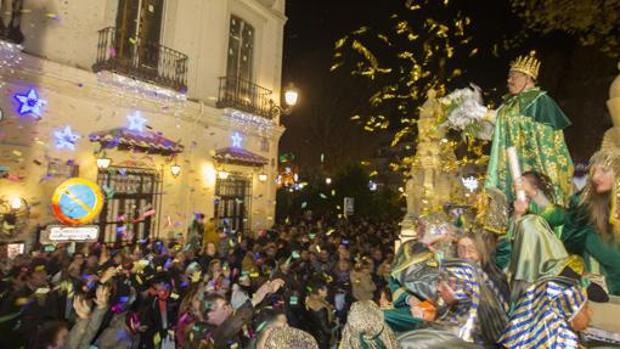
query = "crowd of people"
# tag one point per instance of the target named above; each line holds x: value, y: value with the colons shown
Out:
x: 219, y: 289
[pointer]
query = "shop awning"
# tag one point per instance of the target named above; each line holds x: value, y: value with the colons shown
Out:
x: 239, y: 156
x: 146, y: 141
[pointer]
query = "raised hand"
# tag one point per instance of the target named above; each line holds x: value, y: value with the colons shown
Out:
x: 82, y: 307
x: 102, y: 297
x: 108, y: 274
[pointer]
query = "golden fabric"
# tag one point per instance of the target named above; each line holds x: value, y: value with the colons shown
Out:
x: 366, y: 328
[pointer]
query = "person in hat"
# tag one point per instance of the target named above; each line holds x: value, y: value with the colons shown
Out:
x: 288, y: 337
x: 366, y: 328
x: 549, y: 314
x: 468, y: 314
x: 415, y: 271
x: 532, y: 122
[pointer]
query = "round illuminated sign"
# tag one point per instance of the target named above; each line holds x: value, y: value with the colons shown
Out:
x: 77, y: 201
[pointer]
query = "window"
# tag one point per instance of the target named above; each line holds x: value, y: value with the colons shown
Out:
x: 240, y: 49
x: 138, y: 29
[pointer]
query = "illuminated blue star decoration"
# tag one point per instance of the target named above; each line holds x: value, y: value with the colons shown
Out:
x: 136, y: 122
x: 236, y: 140
x: 65, y: 138
x: 30, y: 103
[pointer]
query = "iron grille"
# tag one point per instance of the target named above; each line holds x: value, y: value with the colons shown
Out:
x: 131, y: 196
x: 233, y: 202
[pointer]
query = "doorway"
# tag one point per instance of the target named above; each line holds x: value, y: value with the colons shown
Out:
x: 233, y: 203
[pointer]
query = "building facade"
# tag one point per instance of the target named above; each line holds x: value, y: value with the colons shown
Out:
x: 181, y: 97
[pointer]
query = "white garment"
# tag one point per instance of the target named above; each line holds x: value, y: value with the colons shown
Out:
x: 238, y: 297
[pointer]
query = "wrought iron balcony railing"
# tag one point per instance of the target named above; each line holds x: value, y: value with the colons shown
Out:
x: 145, y: 61
x: 244, y: 95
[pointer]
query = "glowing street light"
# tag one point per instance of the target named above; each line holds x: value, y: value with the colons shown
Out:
x: 16, y: 203
x: 175, y: 170
x: 103, y: 162
x: 291, y: 95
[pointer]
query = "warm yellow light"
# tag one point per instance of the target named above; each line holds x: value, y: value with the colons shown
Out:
x: 175, y: 169
x: 262, y: 177
x: 223, y: 174
x: 209, y: 173
x: 16, y: 203
x: 103, y: 163
x: 328, y: 181
x: 291, y: 95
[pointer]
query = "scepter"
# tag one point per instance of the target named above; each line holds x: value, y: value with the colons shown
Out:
x: 515, y: 171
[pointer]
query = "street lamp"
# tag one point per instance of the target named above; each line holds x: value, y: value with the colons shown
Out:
x: 175, y: 170
x: 16, y: 203
x: 103, y: 162
x: 328, y: 181
x: 291, y: 95
x: 262, y: 177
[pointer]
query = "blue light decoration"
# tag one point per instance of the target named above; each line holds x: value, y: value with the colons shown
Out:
x: 30, y: 103
x: 65, y: 138
x: 136, y: 121
x: 237, y: 139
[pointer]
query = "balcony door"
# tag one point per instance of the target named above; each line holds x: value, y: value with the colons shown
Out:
x: 138, y: 31
x: 239, y: 69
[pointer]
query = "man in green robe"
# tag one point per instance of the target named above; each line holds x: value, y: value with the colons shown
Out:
x: 532, y: 122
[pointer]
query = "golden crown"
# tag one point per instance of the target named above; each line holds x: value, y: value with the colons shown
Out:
x: 528, y: 65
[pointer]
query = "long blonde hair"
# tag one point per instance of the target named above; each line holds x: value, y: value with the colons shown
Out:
x: 598, y: 204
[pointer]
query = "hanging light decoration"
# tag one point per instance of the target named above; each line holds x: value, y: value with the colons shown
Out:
x: 175, y: 169
x: 291, y: 95
x: 103, y: 162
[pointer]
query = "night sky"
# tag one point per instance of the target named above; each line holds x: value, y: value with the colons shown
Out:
x: 578, y: 78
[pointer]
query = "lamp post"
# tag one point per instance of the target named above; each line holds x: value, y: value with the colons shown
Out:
x: 291, y: 96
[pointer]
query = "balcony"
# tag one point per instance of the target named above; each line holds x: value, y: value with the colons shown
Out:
x: 147, y: 61
x: 244, y: 95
